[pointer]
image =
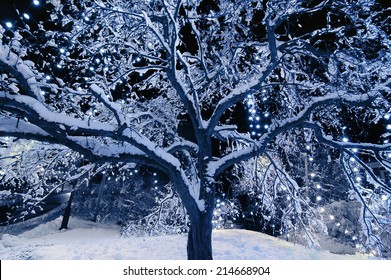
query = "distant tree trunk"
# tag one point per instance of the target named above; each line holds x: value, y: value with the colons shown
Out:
x: 99, y: 198
x: 199, y: 243
x: 67, y: 213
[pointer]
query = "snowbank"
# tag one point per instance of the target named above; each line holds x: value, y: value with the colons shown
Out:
x: 88, y: 240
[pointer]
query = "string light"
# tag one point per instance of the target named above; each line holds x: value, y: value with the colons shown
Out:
x: 36, y: 2
x: 9, y: 24
x: 26, y: 16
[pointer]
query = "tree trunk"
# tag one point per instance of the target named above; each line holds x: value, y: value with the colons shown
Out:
x: 199, y: 243
x: 99, y: 198
x: 67, y: 213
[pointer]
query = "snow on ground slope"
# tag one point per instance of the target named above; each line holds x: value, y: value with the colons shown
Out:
x: 88, y: 240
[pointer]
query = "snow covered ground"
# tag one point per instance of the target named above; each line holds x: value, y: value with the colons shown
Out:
x: 91, y: 241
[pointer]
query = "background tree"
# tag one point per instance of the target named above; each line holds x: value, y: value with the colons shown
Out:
x: 109, y: 79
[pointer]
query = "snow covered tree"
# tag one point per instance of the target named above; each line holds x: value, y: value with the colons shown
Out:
x: 157, y: 82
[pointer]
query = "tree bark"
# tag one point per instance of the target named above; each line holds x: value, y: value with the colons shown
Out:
x: 199, y: 243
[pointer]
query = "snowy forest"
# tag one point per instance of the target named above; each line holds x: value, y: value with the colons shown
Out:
x: 166, y: 117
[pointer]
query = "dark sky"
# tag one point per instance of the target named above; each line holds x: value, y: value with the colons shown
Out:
x: 9, y: 8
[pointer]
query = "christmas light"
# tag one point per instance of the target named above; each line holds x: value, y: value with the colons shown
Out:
x: 387, y: 116
x: 36, y: 2
x: 345, y: 140
x: 26, y: 16
x: 8, y: 24
x: 318, y: 198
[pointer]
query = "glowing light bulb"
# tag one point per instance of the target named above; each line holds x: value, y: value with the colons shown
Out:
x: 345, y: 140
x: 26, y: 16
x: 318, y: 198
x: 9, y: 24
x: 36, y: 2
